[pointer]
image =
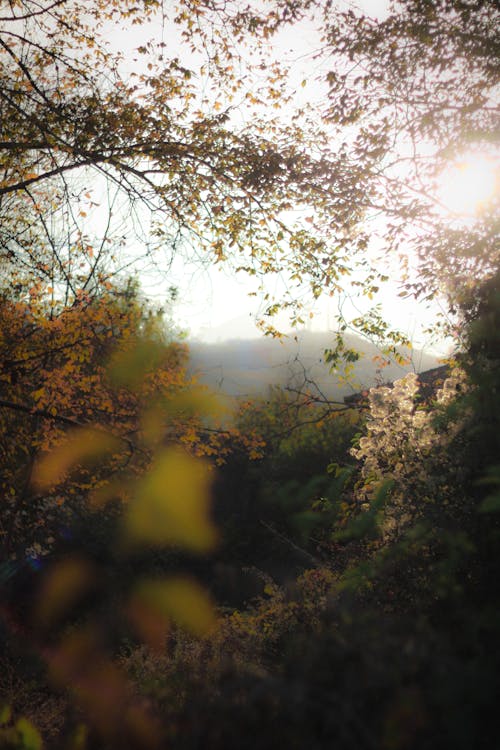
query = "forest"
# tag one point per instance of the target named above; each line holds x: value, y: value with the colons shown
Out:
x: 299, y: 570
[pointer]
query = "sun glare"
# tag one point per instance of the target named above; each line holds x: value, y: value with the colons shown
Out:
x: 468, y: 184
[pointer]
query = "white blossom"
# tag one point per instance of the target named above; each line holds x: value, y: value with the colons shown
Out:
x: 403, y: 443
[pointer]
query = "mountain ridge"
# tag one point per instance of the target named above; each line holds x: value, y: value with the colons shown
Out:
x: 248, y: 367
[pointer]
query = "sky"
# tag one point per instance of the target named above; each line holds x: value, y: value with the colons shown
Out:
x: 214, y: 303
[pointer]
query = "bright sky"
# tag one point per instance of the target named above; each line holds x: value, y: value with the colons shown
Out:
x: 214, y: 303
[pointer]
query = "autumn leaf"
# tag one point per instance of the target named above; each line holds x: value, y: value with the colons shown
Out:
x: 61, y: 588
x: 171, y: 504
x: 179, y: 600
x: 83, y: 446
x: 129, y: 366
x: 100, y: 688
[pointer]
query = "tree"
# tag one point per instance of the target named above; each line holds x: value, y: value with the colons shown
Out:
x: 56, y: 379
x: 406, y: 95
x: 270, y: 500
x: 101, y: 434
x: 190, y: 173
x: 415, y: 91
x: 226, y: 187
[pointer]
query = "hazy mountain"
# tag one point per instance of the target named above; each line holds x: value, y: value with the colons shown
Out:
x: 242, y: 367
x: 240, y: 327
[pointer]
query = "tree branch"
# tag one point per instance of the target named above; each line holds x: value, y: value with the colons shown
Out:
x: 33, y: 13
x: 43, y: 414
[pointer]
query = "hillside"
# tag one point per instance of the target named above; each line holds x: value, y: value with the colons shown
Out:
x: 247, y: 367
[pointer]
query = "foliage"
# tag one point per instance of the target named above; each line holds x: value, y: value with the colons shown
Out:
x: 145, y: 154
x: 392, y: 644
x: 23, y: 736
x: 408, y: 443
x: 183, y: 169
x: 280, y: 491
x: 383, y: 629
x: 416, y: 90
x: 107, y: 425
x: 55, y: 383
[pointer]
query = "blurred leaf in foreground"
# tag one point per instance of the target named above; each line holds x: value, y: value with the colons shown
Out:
x: 83, y: 446
x: 62, y: 587
x: 128, y: 367
x: 101, y: 690
x: 171, y: 504
x: 179, y: 600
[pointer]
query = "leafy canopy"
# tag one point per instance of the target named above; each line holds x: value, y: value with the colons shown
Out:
x: 180, y: 169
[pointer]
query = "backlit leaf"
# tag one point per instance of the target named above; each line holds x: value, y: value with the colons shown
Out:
x: 29, y: 735
x: 179, y: 599
x: 128, y: 367
x: 82, y: 447
x: 171, y: 504
x: 62, y: 587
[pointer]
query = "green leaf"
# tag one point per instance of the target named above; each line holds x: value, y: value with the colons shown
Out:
x: 29, y: 735
x: 490, y: 504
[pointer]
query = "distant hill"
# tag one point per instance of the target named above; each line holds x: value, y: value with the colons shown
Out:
x: 247, y: 367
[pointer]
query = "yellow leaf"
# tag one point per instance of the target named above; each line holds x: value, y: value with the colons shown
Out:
x: 171, y: 504
x: 5, y: 715
x: 178, y: 599
x: 106, y: 493
x: 128, y: 367
x: 196, y: 402
x: 153, y: 424
x: 82, y: 446
x: 99, y: 688
x: 29, y: 735
x: 62, y: 587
